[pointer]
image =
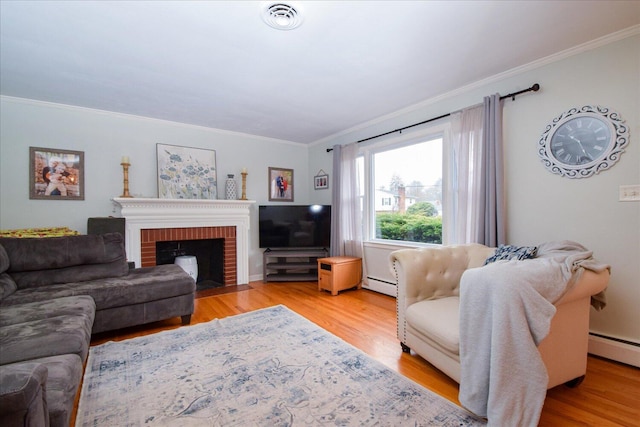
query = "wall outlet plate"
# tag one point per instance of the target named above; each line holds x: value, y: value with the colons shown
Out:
x: 630, y: 193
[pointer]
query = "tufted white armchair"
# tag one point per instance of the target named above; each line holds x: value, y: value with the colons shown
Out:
x: 428, y: 282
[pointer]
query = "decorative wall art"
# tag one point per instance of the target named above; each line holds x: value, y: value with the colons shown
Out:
x: 186, y: 172
x: 56, y: 174
x: 280, y: 185
x: 321, y: 181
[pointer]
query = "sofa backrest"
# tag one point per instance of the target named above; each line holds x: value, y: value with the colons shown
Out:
x: 434, y: 272
x: 7, y: 284
x: 44, y: 261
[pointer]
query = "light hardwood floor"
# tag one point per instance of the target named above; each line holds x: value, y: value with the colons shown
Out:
x: 609, y: 396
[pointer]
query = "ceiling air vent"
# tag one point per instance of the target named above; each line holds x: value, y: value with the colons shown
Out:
x: 282, y: 16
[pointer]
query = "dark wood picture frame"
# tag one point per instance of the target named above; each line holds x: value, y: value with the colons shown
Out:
x: 56, y: 174
x: 321, y: 182
x: 280, y: 184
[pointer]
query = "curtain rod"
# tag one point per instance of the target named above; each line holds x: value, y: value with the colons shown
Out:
x: 534, y: 88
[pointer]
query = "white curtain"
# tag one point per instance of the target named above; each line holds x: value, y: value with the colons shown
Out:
x: 464, y: 168
x: 346, y: 215
x: 475, y: 171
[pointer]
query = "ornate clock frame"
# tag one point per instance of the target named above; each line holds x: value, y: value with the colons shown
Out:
x: 610, y: 155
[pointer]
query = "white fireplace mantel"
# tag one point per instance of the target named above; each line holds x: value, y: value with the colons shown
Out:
x: 148, y: 213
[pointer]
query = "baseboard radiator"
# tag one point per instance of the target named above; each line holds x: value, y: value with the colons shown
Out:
x: 620, y: 350
x: 379, y: 276
x: 378, y: 285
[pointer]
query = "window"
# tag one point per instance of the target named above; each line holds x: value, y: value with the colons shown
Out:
x: 404, y: 179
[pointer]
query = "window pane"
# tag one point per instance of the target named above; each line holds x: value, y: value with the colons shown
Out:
x: 408, y: 192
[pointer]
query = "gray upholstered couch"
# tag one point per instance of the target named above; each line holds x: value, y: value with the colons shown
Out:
x: 54, y: 293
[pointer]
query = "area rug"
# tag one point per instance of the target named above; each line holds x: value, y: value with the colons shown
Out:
x: 270, y: 367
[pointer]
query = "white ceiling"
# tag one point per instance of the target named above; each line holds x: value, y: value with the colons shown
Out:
x: 217, y: 64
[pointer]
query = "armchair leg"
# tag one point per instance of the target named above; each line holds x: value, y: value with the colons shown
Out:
x: 186, y: 319
x: 405, y: 348
x: 575, y: 382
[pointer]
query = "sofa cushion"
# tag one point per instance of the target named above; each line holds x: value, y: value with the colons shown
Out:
x: 42, y: 310
x: 65, y: 376
x: 7, y: 286
x: 4, y: 260
x: 437, y: 320
x: 40, y: 389
x: 23, y: 394
x: 150, y: 284
x: 139, y: 286
x: 48, y: 328
x: 44, y: 261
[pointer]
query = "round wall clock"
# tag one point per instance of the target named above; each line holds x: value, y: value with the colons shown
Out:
x: 583, y: 141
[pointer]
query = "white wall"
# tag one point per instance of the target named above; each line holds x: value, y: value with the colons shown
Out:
x: 105, y: 138
x: 542, y: 206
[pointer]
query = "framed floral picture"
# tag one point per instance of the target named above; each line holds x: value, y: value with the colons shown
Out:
x: 186, y: 172
x: 280, y: 185
x: 56, y: 174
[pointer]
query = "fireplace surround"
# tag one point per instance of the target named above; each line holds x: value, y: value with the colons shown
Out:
x: 214, y: 248
x: 149, y: 220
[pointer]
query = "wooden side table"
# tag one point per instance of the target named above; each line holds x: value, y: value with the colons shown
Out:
x: 339, y: 273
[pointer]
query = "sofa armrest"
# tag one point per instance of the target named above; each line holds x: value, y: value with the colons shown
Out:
x: 23, y: 395
x: 589, y: 283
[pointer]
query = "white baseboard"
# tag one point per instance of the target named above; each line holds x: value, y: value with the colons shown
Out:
x: 379, y: 286
x: 255, y: 278
x: 615, y: 350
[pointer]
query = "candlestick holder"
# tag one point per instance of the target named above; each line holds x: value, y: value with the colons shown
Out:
x: 244, y: 186
x: 125, y: 172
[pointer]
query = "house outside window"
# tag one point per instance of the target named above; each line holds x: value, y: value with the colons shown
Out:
x: 383, y: 200
x: 403, y: 183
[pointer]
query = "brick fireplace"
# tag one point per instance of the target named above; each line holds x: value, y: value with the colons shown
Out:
x: 149, y: 237
x: 148, y: 221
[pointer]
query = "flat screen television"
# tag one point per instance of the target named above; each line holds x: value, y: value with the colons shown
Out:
x: 294, y: 226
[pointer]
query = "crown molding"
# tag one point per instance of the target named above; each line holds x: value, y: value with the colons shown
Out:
x: 576, y: 50
x: 68, y: 107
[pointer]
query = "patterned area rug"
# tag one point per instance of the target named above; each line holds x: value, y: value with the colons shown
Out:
x: 269, y: 367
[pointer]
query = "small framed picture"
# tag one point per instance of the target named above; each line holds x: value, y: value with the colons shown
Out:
x: 321, y: 182
x: 280, y: 185
x: 56, y: 174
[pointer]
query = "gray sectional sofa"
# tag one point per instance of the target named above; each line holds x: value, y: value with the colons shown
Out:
x: 54, y: 293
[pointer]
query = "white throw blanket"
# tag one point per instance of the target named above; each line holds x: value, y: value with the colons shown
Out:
x: 505, y: 311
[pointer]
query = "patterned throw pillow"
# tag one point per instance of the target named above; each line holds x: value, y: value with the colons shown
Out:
x: 39, y: 232
x: 508, y: 252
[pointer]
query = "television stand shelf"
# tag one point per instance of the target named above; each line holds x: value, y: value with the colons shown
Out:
x: 291, y: 265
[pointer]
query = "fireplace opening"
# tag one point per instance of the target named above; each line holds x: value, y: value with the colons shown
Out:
x: 209, y: 254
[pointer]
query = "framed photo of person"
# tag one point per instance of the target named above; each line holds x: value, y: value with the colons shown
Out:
x: 280, y: 185
x: 56, y: 174
x: 321, y: 182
